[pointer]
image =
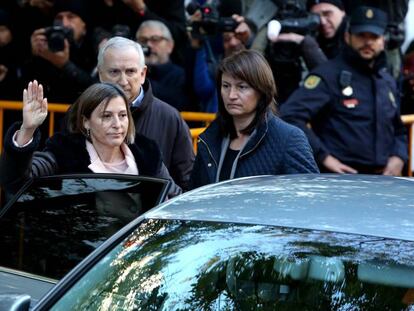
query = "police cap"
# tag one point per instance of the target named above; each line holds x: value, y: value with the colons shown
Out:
x: 368, y: 19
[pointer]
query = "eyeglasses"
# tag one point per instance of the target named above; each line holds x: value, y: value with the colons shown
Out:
x: 152, y: 39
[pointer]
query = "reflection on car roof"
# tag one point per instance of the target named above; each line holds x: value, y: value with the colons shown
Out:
x: 381, y: 206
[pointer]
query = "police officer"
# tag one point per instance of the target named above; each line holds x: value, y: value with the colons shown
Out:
x: 351, y: 104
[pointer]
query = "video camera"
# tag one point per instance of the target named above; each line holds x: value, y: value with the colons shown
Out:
x: 56, y: 36
x: 211, y: 23
x: 294, y: 17
x: 285, y: 56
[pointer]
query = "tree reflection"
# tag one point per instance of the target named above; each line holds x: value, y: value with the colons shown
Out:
x: 181, y: 265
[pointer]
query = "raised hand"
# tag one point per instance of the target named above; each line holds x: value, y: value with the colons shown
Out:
x: 34, y: 112
x: 34, y: 106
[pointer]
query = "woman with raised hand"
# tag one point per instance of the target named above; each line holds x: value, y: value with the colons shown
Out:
x: 247, y: 138
x: 100, y: 138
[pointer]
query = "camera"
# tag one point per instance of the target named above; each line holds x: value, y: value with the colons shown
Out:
x: 294, y: 17
x: 56, y: 36
x: 211, y: 23
x: 146, y: 49
x: 285, y: 56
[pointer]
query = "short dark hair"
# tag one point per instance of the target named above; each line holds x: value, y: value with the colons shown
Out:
x: 92, y: 97
x: 251, y: 67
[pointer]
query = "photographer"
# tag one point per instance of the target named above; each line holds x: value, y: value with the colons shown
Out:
x: 167, y: 79
x: 63, y: 55
x: 291, y: 41
x: 135, y: 12
x: 330, y: 38
x: 214, y: 35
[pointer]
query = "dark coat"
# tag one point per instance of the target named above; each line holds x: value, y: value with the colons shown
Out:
x: 168, y: 84
x: 162, y: 123
x: 275, y: 147
x: 66, y: 153
x: 360, y: 126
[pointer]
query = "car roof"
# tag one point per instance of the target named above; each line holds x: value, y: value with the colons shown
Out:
x: 374, y: 205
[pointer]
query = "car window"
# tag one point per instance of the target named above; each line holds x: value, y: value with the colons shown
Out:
x: 55, y: 222
x: 183, y: 265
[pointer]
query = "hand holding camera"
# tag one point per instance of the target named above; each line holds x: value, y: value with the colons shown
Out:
x: 52, y: 44
x: 242, y: 31
x: 208, y: 21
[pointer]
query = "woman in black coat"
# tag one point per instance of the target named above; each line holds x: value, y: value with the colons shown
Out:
x: 247, y: 138
x: 100, y: 139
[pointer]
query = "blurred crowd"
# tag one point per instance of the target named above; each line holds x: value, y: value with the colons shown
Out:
x: 57, y: 42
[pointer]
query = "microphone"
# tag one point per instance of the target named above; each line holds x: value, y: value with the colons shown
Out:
x: 273, y: 30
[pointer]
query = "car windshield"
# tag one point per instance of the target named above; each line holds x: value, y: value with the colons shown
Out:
x: 186, y: 265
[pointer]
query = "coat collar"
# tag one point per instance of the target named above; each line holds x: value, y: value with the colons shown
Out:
x: 213, y: 138
x: 147, y: 100
x: 356, y: 61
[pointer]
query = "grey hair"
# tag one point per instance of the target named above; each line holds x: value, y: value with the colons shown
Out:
x: 166, y: 33
x: 120, y: 43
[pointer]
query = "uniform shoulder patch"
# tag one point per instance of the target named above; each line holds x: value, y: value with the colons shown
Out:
x: 311, y: 82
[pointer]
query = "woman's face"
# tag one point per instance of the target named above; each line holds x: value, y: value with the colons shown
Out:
x: 108, y: 126
x: 240, y: 99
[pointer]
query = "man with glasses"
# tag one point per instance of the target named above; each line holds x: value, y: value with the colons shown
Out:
x: 167, y: 79
x: 333, y: 24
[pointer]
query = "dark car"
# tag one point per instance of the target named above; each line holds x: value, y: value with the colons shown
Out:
x: 54, y: 222
x: 297, y: 242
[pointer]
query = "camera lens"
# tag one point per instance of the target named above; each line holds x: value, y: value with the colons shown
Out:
x: 56, y: 41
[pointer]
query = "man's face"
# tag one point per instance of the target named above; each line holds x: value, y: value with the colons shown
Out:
x: 121, y: 66
x: 161, y: 47
x: 331, y: 17
x: 72, y: 21
x: 231, y: 43
x: 368, y: 45
x: 5, y: 35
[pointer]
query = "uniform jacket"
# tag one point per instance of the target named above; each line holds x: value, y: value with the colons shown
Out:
x: 162, y: 123
x: 360, y: 126
x: 66, y: 153
x: 275, y: 147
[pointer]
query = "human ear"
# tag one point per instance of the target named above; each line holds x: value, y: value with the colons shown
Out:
x: 347, y: 38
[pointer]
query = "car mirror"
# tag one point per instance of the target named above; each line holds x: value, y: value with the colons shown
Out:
x: 15, y: 302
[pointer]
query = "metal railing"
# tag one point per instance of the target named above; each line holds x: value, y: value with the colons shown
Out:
x: 206, y: 118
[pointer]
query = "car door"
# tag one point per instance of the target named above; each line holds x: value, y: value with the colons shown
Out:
x: 54, y: 222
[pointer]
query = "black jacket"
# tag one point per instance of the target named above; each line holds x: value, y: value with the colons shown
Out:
x: 275, y: 147
x: 162, y: 123
x: 66, y: 153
